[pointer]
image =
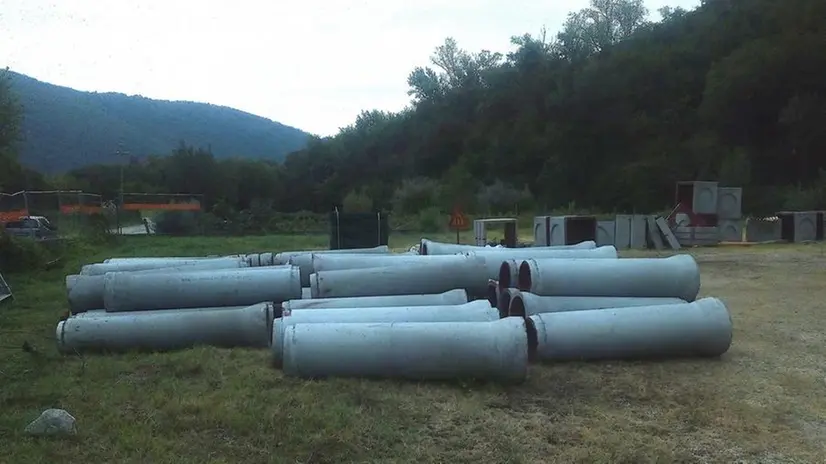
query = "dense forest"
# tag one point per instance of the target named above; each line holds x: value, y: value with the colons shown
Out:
x: 64, y: 129
x: 607, y: 115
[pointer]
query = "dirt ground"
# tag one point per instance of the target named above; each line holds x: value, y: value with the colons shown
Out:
x: 764, y: 401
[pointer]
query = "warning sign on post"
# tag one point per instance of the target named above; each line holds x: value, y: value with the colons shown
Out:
x: 458, y: 220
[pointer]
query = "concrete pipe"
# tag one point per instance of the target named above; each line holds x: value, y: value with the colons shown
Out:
x: 450, y: 297
x: 218, y: 263
x: 305, y: 261
x: 136, y: 292
x: 429, y: 247
x: 85, y: 292
x: 328, y: 262
x: 497, y: 350
x: 475, y: 311
x: 168, y: 330
x: 527, y: 304
x: 495, y: 259
x: 284, y: 256
x: 158, y: 259
x: 701, y: 328
x: 674, y: 277
x: 470, y: 274
x: 306, y: 293
x: 266, y: 259
x: 253, y: 260
x: 493, y: 292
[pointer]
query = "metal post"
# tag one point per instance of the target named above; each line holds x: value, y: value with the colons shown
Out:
x: 120, y: 152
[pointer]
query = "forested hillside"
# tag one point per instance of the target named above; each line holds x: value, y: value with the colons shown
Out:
x: 64, y: 128
x: 606, y: 115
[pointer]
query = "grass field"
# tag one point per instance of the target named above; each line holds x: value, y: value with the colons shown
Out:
x: 764, y: 401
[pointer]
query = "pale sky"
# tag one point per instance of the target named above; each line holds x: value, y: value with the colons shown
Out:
x: 311, y: 64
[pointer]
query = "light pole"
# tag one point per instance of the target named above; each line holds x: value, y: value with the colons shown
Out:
x: 120, y: 153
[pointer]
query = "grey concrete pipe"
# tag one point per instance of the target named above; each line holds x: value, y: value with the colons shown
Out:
x: 284, y: 256
x: 85, y: 292
x: 493, y: 292
x: 494, y: 259
x: 674, y: 277
x: 218, y: 263
x: 168, y: 330
x: 429, y: 247
x: 701, y: 328
x: 497, y: 350
x: 475, y: 311
x: 450, y: 297
x: 508, y: 270
x: 512, y: 302
x: 471, y: 275
x: 305, y: 292
x: 305, y: 261
x: 136, y: 292
x: 329, y: 262
x: 171, y: 259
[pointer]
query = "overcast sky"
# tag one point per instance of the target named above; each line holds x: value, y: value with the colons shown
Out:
x: 312, y: 64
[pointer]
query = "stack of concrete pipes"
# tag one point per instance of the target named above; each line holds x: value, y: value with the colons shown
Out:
x: 452, y: 311
x: 577, y: 302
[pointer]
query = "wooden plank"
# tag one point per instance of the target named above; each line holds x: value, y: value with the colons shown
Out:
x: 666, y: 231
x: 654, y: 233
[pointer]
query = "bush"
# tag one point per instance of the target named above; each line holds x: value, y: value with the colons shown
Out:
x: 415, y: 195
x: 177, y: 223
x: 21, y: 254
x: 431, y: 220
x: 357, y: 202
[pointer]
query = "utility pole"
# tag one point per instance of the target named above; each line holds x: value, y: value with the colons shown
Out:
x: 121, y: 153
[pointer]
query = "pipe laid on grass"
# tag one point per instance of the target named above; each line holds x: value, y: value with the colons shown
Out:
x: 674, y: 277
x: 85, y: 292
x: 136, y: 292
x: 450, y: 297
x: 470, y: 274
x: 218, y: 263
x: 527, y: 304
x: 475, y: 311
x: 168, y: 330
x: 701, y: 328
x: 429, y: 247
x: 497, y: 350
x: 284, y: 256
x: 495, y: 259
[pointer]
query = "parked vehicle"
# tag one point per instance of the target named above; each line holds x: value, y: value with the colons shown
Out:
x: 37, y: 227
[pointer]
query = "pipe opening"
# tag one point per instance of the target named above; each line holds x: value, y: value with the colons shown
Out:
x: 504, y: 303
x: 493, y: 294
x: 505, y: 275
x: 533, y: 339
x: 517, y: 307
x: 524, y: 279
x: 423, y: 248
x: 277, y: 310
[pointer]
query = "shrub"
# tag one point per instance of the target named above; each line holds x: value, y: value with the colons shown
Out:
x: 20, y: 254
x: 357, y: 202
x: 431, y: 220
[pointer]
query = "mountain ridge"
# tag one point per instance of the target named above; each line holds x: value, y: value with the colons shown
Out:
x: 65, y: 128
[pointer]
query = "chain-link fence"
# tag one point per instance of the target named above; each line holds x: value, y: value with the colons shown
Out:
x: 69, y: 210
x: 160, y: 213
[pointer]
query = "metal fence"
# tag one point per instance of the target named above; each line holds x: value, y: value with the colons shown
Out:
x: 66, y: 209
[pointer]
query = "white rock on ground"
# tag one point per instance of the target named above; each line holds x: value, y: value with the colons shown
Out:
x: 53, y: 422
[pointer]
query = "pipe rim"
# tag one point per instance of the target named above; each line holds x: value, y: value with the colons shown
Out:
x: 516, y: 308
x: 524, y: 279
x: 533, y: 339
x: 505, y: 274
x: 277, y: 343
x: 493, y: 293
x: 504, y: 302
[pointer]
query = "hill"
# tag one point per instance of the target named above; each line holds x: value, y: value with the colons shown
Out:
x: 63, y: 128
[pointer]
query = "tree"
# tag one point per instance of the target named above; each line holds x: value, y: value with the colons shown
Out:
x: 594, y: 29
x: 10, y: 117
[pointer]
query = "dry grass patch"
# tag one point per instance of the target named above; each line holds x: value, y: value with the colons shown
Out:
x: 762, y: 402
